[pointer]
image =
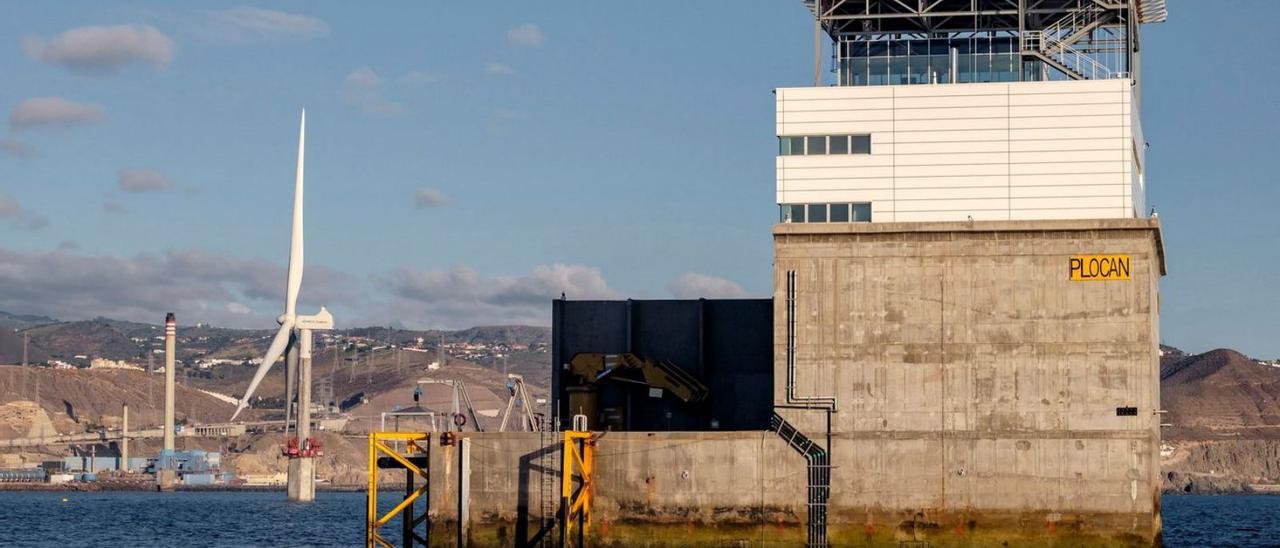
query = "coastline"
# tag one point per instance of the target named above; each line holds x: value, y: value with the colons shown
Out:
x: 150, y: 486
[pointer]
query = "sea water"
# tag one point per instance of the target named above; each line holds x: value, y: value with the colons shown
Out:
x: 43, y: 518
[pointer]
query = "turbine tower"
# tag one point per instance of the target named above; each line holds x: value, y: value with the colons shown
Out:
x: 293, y: 337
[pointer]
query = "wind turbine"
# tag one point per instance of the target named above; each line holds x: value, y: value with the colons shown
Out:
x: 295, y: 334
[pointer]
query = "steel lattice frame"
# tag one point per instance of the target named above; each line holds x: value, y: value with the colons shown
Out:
x: 844, y: 20
x: 415, y: 446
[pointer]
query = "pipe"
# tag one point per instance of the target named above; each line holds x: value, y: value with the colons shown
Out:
x: 804, y: 402
x: 955, y: 64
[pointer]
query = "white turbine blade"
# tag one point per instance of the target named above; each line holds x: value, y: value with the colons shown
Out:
x: 278, y: 346
x: 295, y: 240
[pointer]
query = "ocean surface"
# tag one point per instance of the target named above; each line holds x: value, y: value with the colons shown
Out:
x: 337, y: 519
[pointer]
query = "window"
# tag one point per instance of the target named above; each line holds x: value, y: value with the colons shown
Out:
x: 816, y: 144
x: 792, y: 213
x: 861, y: 144
x: 823, y: 213
x: 794, y: 145
x: 861, y: 213
x: 817, y: 213
x: 839, y: 144
x: 839, y: 213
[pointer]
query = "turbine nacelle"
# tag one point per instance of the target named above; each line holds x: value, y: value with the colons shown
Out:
x: 321, y: 321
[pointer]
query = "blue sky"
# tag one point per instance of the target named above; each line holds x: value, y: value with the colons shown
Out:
x: 466, y: 163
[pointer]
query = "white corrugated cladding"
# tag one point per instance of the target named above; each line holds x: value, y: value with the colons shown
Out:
x: 1017, y: 150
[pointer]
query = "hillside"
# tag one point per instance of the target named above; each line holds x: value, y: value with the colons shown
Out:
x: 77, y: 401
x: 520, y: 348
x: 1221, y: 392
x: 22, y: 321
x: 93, y: 338
x: 1224, y: 416
x: 373, y: 382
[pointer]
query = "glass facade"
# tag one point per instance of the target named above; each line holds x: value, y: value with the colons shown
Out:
x: 924, y: 61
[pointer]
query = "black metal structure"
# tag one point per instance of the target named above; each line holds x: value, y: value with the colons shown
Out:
x: 726, y: 344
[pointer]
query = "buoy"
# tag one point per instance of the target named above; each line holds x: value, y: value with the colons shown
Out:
x: 64, y: 499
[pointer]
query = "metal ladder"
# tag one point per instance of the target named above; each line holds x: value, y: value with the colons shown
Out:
x: 550, y: 495
x: 819, y: 477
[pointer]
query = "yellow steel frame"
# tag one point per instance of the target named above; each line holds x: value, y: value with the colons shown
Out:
x: 579, y: 503
x: 376, y: 446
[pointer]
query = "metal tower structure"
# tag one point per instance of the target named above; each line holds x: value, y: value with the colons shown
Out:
x: 941, y: 41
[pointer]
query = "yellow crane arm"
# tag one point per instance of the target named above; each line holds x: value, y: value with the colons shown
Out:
x: 593, y: 367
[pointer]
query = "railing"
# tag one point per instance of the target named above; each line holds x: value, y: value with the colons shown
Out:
x: 579, y: 456
x: 413, y: 459
x: 1055, y: 42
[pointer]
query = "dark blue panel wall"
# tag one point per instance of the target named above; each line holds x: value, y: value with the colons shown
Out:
x: 727, y: 344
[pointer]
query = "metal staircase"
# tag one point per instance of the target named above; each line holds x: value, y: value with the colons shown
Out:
x: 1054, y: 44
x: 819, y: 480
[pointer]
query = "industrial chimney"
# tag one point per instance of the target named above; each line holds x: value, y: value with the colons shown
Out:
x: 170, y: 334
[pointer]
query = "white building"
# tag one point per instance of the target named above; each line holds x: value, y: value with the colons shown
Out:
x: 951, y: 126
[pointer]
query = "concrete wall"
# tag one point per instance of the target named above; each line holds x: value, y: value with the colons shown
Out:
x: 990, y: 151
x: 657, y: 489
x: 976, y: 384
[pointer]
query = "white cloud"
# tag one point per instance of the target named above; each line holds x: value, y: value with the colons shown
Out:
x: 527, y: 34
x: 461, y: 297
x: 195, y: 284
x: 244, y: 24
x: 139, y: 179
x: 53, y: 112
x: 429, y: 197
x: 363, y: 88
x: 71, y: 283
x: 103, y: 50
x: 16, y: 149
x: 692, y: 285
x: 498, y: 69
x: 18, y: 216
x: 419, y: 78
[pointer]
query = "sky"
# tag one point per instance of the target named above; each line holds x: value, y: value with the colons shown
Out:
x: 466, y: 163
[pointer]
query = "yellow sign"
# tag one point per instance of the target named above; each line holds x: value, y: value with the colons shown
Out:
x: 1088, y: 268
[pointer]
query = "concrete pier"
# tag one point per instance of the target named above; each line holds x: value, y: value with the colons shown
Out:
x: 983, y: 395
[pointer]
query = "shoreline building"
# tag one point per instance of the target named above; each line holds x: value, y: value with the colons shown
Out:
x: 961, y: 347
x: 966, y: 277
